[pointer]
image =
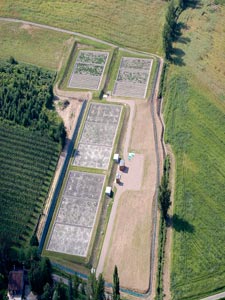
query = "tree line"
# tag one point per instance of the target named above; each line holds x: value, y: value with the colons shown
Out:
x: 164, y: 204
x: 26, y: 98
x: 169, y: 29
x: 40, y: 275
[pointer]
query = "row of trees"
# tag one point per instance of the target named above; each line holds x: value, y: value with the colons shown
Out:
x: 40, y: 275
x: 164, y: 190
x: 26, y: 97
x: 169, y: 29
x: 27, y: 161
x: 164, y: 204
x: 96, y: 287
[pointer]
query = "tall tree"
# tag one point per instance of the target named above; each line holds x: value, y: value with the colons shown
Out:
x: 91, y: 286
x: 71, y: 291
x: 164, y: 191
x: 116, y: 285
x: 46, y: 270
x: 60, y: 292
x: 47, y: 294
x: 76, y: 282
x: 100, y: 290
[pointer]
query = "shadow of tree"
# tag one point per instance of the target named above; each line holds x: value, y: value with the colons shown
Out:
x: 177, y: 35
x: 177, y: 57
x: 193, y: 4
x: 180, y: 224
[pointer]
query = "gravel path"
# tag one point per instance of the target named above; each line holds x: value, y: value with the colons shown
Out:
x: 128, y: 183
x: 216, y: 296
x: 76, y: 34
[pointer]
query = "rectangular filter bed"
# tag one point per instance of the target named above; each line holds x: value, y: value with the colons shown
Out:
x: 72, y: 230
x: 97, y: 139
x: 88, y: 70
x: 133, y: 77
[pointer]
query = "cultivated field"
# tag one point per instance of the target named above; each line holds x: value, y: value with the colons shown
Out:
x: 195, y: 119
x: 97, y: 139
x: 88, y: 70
x: 133, y: 77
x: 33, y: 45
x: 72, y: 229
x: 107, y: 20
x: 27, y: 161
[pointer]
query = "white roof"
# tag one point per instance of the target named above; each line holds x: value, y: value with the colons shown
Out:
x: 108, y: 190
x: 116, y: 155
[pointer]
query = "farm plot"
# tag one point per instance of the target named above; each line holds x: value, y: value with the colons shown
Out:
x: 97, y: 139
x: 72, y: 230
x: 88, y: 70
x: 133, y: 77
x: 24, y: 179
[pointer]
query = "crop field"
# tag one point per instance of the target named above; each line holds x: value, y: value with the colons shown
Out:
x: 33, y: 45
x: 27, y: 162
x: 195, y: 122
x: 88, y: 70
x: 103, y: 19
x: 133, y: 77
x: 97, y: 139
x: 72, y: 230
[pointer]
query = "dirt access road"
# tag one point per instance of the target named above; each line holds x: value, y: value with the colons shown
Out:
x: 128, y: 241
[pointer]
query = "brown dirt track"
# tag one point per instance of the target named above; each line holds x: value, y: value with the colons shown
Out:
x: 131, y: 239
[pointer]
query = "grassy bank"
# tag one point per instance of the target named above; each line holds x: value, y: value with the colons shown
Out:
x: 195, y: 121
x: 135, y: 24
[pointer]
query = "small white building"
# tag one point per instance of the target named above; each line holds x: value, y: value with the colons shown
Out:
x: 108, y: 191
x: 118, y: 177
x: 116, y: 157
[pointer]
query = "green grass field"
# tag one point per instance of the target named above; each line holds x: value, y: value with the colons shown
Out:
x: 44, y: 48
x: 135, y: 24
x: 195, y: 118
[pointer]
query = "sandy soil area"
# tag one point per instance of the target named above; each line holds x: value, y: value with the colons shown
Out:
x: 131, y: 239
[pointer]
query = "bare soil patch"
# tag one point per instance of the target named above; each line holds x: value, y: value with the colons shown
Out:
x: 29, y: 28
x: 68, y: 110
x: 131, y: 239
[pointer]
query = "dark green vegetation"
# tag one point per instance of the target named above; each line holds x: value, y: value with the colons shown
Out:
x: 38, y: 273
x: 26, y: 95
x: 28, y: 160
x: 164, y: 204
x: 31, y: 135
x: 39, y: 269
x: 116, y: 285
x: 135, y: 24
x: 164, y: 191
x: 169, y: 34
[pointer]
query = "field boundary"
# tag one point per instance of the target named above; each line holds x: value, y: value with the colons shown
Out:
x: 61, y: 178
x: 74, y: 33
